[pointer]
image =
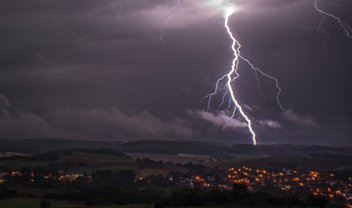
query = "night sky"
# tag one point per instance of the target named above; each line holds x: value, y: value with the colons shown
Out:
x: 97, y: 70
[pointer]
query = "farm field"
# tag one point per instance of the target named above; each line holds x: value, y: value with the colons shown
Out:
x: 20, y: 163
x: 82, y: 162
x: 177, y: 158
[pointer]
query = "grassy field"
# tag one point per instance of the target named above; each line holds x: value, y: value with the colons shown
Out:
x: 176, y: 158
x: 99, y: 162
x: 19, y: 163
x: 94, y: 162
x: 39, y: 192
x: 96, y: 159
x: 34, y: 203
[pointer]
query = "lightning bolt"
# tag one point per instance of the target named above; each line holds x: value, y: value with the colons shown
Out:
x: 233, y: 74
x: 347, y: 29
x: 277, y: 84
x: 216, y: 90
x: 234, y: 71
x: 320, y: 27
x: 226, y: 81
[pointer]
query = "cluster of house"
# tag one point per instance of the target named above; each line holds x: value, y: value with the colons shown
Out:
x: 278, y: 182
x: 282, y: 182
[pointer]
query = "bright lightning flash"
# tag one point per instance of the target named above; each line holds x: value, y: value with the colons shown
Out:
x: 233, y: 74
x: 225, y: 82
x: 234, y: 71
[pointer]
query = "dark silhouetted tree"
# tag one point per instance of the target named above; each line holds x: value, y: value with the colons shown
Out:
x: 44, y: 204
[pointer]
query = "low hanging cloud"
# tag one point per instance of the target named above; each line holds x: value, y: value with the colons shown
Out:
x: 270, y: 124
x: 303, y: 120
x: 105, y: 120
x: 219, y: 120
x: 102, y: 123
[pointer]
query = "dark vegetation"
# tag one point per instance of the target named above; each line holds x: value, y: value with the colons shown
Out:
x: 6, y: 193
x: 239, y: 196
x: 44, y: 204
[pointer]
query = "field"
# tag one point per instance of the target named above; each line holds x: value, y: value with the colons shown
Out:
x: 99, y: 162
x: 96, y: 159
x: 92, y: 162
x: 174, y: 158
x: 297, y: 162
x: 34, y: 203
x: 19, y: 163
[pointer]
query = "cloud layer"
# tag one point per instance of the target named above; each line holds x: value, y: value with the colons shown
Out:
x: 103, y: 124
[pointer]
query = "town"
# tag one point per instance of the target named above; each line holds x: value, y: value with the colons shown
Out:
x: 283, y: 182
x: 333, y: 186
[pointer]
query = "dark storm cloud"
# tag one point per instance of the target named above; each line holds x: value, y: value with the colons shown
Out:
x: 97, y: 70
x: 303, y: 120
x: 91, y: 124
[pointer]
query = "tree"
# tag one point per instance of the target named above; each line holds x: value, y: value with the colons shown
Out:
x: 44, y: 204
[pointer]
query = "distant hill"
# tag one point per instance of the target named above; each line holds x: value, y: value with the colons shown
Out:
x: 92, y: 155
x: 34, y: 146
x: 175, y: 147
